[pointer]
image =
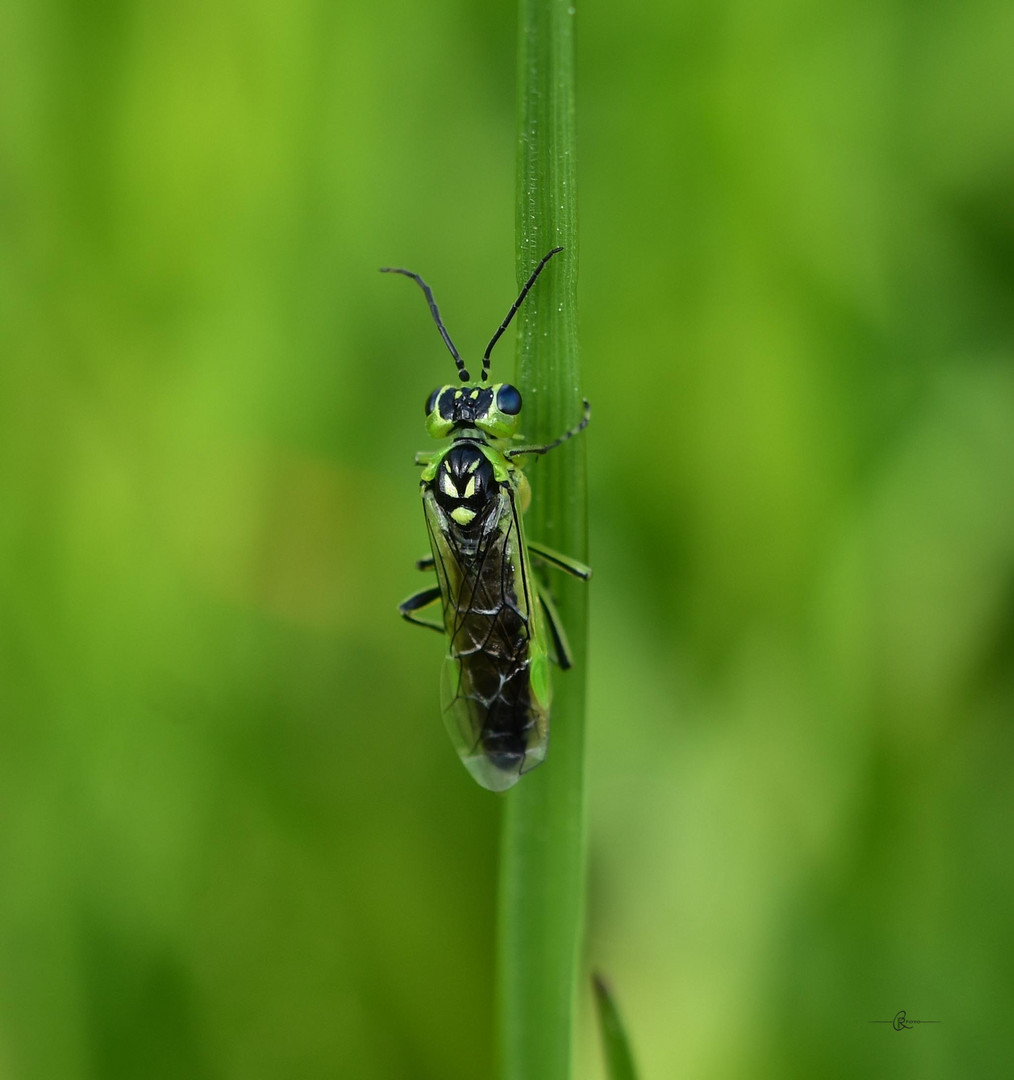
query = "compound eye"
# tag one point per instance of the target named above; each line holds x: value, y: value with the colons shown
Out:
x: 508, y: 399
x: 431, y: 401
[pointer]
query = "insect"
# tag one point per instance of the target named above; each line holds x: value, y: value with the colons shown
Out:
x: 500, y: 620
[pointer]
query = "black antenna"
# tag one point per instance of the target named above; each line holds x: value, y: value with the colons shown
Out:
x: 514, y: 310
x: 435, y: 312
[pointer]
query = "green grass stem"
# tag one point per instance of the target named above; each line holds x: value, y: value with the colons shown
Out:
x: 542, y: 854
x: 615, y: 1045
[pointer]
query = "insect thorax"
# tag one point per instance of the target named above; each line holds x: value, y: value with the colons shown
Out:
x: 464, y: 485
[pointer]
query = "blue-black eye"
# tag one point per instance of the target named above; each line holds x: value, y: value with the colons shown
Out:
x: 431, y: 401
x: 508, y: 399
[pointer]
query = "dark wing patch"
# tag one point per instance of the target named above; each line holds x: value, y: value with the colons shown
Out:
x: 497, y: 724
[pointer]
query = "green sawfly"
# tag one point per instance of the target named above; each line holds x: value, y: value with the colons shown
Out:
x: 501, y: 625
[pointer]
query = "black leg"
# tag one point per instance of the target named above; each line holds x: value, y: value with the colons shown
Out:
x: 564, y: 657
x: 420, y: 600
x: 575, y: 430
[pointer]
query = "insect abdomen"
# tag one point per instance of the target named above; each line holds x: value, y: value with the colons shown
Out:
x: 500, y: 734
x: 495, y: 683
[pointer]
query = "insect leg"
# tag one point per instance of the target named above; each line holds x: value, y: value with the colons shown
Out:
x: 564, y: 657
x: 561, y: 562
x: 575, y: 430
x: 420, y: 600
x: 427, y: 562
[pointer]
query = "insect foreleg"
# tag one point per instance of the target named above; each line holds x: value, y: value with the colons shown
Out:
x: 575, y: 430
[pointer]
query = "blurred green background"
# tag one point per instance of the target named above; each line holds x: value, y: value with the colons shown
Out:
x: 235, y: 841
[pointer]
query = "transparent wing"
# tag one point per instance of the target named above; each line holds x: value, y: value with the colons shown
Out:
x: 495, y: 690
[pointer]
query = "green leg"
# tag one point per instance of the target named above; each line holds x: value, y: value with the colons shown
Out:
x: 561, y: 562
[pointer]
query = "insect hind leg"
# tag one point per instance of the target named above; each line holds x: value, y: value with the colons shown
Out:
x: 564, y: 656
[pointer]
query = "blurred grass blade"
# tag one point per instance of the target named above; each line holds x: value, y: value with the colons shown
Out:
x: 542, y: 854
x: 619, y: 1060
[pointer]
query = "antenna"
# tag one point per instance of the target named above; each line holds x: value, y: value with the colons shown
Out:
x: 435, y: 312
x: 513, y: 311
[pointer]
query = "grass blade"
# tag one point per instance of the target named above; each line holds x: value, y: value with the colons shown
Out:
x: 542, y: 854
x: 619, y: 1060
